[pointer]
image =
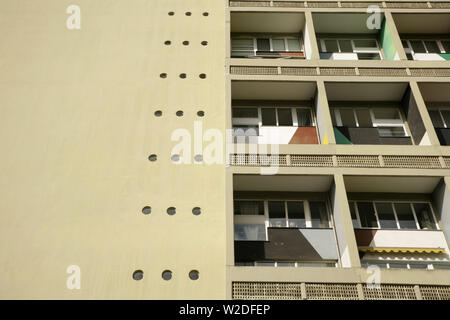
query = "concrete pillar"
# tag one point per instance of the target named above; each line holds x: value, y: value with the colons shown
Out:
x: 324, y: 123
x: 310, y: 38
x: 348, y: 249
x: 390, y: 23
x: 421, y: 106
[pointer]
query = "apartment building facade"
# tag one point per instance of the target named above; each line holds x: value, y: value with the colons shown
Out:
x: 334, y: 174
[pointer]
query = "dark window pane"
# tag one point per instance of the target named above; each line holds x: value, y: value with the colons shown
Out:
x: 304, y: 117
x: 436, y: 119
x: 278, y: 45
x: 417, y: 46
x: 346, y: 45
x: 364, y: 119
x: 331, y: 46
x: 386, y: 215
x: 294, y: 44
x: 367, y: 215
x: 319, y: 214
x: 418, y: 266
x: 268, y: 117
x: 424, y: 215
x: 263, y: 44
x: 296, y: 214
x: 368, y: 56
x: 446, y: 116
x: 446, y: 45
x: 284, y: 117
x: 366, y: 43
x: 353, y: 214
x: 245, y: 112
x: 405, y: 44
x: 248, y: 207
x: 405, y: 216
x: 398, y: 265
x: 277, y: 214
x: 347, y: 117
x: 432, y: 47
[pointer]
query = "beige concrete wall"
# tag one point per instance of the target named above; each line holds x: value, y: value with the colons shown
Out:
x: 76, y: 128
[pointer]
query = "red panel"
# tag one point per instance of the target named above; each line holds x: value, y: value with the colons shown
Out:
x: 291, y: 54
x: 364, y: 236
x: 305, y: 135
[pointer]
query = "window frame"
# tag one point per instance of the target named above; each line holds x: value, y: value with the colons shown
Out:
x: 439, y: 110
x: 375, y: 122
x: 413, y: 210
x: 265, y: 219
x: 258, y: 121
x: 270, y: 38
x: 355, y: 49
x: 410, y: 50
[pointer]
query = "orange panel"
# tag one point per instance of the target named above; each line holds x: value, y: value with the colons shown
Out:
x: 305, y: 135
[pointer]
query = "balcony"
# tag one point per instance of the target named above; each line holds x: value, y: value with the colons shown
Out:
x: 425, y: 37
x: 267, y: 112
x: 437, y: 100
x: 397, y: 221
x: 268, y: 35
x: 283, y: 221
x: 347, y: 36
x: 375, y: 114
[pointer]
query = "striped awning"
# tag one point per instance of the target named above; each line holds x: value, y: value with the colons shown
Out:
x: 401, y: 250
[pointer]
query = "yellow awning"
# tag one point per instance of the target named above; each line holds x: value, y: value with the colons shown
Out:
x: 401, y: 250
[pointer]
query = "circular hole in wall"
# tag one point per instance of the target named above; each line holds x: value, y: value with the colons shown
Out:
x: 194, y: 275
x: 175, y: 157
x: 205, y: 14
x: 171, y: 211
x: 138, y: 275
x: 201, y: 113
x: 167, y: 275
x: 202, y: 76
x: 171, y: 13
x: 158, y: 113
x: 188, y: 14
x: 196, y: 211
x: 147, y: 210
x: 168, y: 43
x: 183, y: 75
x: 179, y: 113
x: 153, y: 157
x: 198, y: 158
x: 204, y: 43
x: 185, y: 43
x: 163, y: 75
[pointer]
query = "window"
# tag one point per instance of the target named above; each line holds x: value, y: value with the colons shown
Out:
x: 413, y: 46
x: 440, y: 117
x: 319, y: 214
x: 249, y: 46
x: 250, y: 232
x: 248, y: 207
x: 367, y: 215
x: 248, y: 120
x: 242, y: 47
x: 288, y: 264
x: 387, y: 120
x: 393, y: 215
x: 386, y: 215
x: 365, y: 49
x: 253, y: 217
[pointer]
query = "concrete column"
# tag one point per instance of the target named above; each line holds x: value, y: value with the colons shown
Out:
x: 390, y: 23
x: 324, y: 123
x: 310, y: 38
x: 348, y: 249
x: 441, y: 202
x: 421, y: 106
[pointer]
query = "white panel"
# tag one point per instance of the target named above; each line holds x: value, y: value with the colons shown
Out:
x: 276, y: 135
x: 409, y: 239
x: 428, y: 57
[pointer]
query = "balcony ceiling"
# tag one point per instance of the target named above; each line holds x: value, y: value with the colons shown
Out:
x: 365, y: 91
x: 272, y: 90
x: 267, y: 22
x: 294, y: 183
x: 435, y: 92
x: 422, y: 23
x: 342, y: 23
x: 391, y: 184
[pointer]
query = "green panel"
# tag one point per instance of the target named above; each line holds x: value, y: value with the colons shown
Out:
x: 340, y: 138
x: 387, y: 42
x: 446, y: 56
